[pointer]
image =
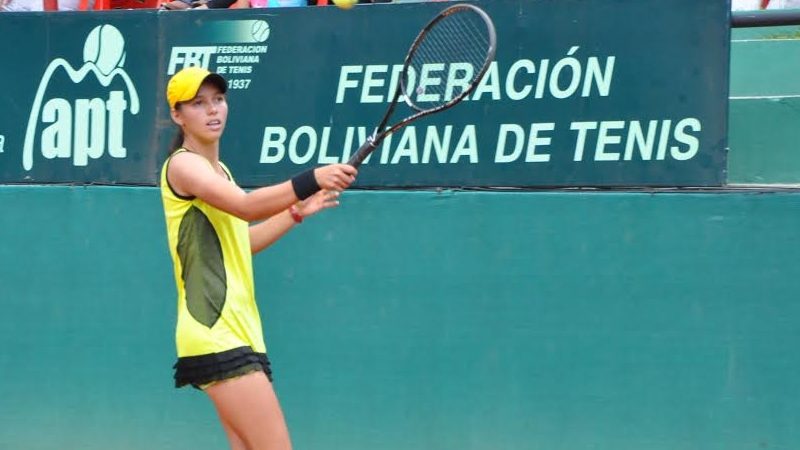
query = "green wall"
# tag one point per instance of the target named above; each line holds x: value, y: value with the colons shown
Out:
x: 453, y: 320
x: 764, y: 122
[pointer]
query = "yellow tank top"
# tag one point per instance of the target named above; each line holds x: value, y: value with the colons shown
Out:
x: 211, y: 254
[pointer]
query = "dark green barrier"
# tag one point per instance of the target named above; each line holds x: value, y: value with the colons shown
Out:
x: 469, y: 321
x: 578, y: 95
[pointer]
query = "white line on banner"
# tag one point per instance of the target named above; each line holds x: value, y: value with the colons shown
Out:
x: 764, y: 97
x: 735, y: 41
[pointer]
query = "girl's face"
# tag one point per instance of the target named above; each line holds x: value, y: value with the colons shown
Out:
x: 204, y: 116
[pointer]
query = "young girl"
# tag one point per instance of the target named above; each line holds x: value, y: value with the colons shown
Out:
x: 219, y: 337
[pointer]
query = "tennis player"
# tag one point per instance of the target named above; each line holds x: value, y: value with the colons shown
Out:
x: 219, y: 337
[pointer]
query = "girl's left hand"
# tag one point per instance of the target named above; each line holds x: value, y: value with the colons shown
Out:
x: 323, y: 199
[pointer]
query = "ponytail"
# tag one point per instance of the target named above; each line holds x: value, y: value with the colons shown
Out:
x: 177, y: 141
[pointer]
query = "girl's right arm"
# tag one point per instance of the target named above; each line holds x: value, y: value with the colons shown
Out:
x: 190, y: 174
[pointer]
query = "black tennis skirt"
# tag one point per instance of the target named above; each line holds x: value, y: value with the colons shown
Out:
x: 204, y: 369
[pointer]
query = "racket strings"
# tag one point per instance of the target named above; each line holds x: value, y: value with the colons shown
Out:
x: 477, y: 31
x: 476, y: 52
x: 468, y: 30
x: 428, y: 92
x: 457, y: 39
x: 450, y: 39
x: 473, y: 54
x: 445, y: 48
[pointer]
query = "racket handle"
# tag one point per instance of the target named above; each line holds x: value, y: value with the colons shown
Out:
x: 362, y: 153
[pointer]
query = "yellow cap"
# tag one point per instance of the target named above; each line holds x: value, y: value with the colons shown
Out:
x: 184, y: 85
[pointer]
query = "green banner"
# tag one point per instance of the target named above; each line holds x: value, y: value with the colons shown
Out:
x: 80, y: 102
x: 577, y: 96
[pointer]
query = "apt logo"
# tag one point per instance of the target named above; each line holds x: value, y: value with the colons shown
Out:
x: 84, y: 128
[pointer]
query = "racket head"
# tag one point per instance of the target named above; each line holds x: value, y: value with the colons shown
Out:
x: 448, y: 58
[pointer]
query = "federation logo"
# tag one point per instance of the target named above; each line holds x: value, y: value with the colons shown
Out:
x: 84, y: 128
x: 231, y: 48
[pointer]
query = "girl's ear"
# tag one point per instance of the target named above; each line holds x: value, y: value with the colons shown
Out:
x: 176, y: 117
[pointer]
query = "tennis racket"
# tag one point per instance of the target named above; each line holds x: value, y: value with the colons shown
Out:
x: 444, y: 65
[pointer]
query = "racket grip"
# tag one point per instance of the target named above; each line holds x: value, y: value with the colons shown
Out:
x: 362, y: 153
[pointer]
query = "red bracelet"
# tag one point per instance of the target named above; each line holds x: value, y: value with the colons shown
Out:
x: 295, y: 214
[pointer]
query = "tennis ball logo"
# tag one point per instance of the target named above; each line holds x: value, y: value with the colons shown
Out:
x: 259, y: 30
x: 105, y: 47
x: 83, y: 128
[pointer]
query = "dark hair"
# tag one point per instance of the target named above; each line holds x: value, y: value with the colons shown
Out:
x: 177, y: 141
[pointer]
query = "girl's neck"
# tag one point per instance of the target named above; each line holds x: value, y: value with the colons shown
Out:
x: 210, y: 150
